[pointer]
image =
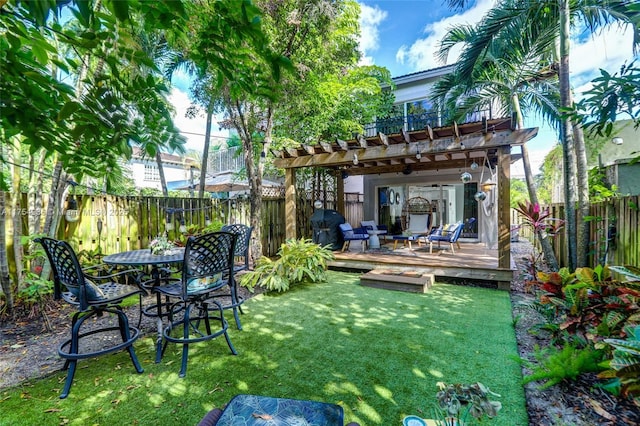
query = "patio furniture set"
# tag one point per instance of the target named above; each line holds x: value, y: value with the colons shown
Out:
x: 188, y: 283
x: 189, y: 279
x: 416, y: 223
x: 370, y: 234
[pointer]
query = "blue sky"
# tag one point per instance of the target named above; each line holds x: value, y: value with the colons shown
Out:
x: 403, y: 35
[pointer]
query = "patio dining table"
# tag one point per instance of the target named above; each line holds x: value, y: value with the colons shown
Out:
x: 143, y: 258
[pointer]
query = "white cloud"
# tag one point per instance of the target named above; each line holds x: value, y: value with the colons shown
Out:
x: 370, y: 18
x: 421, y: 54
x: 607, y: 50
x: 193, y: 129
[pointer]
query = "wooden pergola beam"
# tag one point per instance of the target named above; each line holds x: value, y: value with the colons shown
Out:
x: 401, y: 151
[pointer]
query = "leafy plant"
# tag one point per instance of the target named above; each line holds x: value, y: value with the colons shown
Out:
x: 555, y: 365
x: 589, y: 303
x: 37, y: 289
x: 624, y: 367
x: 543, y: 225
x: 464, y: 402
x: 298, y: 261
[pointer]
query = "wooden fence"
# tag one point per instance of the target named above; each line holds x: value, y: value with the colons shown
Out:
x: 614, y: 236
x: 129, y: 223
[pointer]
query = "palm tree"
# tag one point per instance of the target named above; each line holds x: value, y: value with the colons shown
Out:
x: 520, y: 78
x: 520, y: 21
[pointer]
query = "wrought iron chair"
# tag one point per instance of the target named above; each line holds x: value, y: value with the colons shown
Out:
x: 242, y: 243
x: 92, y: 300
x: 207, y: 267
x: 232, y: 298
x: 349, y: 234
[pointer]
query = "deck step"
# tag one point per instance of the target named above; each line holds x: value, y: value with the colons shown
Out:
x: 410, y: 281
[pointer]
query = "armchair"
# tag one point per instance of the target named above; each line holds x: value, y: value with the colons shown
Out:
x: 349, y: 234
x: 448, y: 234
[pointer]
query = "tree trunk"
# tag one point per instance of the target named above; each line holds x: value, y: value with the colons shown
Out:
x: 5, y: 282
x: 205, y: 151
x: 568, y: 149
x: 35, y: 194
x: 584, y: 206
x: 163, y: 181
x: 17, y: 219
x: 547, y: 249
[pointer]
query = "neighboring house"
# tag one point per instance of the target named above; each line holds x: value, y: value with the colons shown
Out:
x: 616, y: 157
x: 145, y: 173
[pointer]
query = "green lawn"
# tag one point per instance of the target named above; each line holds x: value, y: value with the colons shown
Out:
x: 377, y: 353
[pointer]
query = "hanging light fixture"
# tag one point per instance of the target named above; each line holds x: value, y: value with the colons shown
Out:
x: 183, y: 226
x: 207, y: 220
x: 474, y: 165
x: 72, y: 214
x: 487, y: 185
x: 480, y: 196
x: 355, y: 159
x: 418, y: 153
x: 466, y: 177
x: 169, y: 225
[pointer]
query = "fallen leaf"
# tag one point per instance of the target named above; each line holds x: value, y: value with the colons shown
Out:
x: 115, y: 401
x: 16, y: 346
x: 52, y: 410
x: 601, y: 411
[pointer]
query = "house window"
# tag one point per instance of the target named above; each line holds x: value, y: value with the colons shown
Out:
x: 151, y: 173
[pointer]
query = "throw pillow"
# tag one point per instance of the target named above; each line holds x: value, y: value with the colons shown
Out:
x: 93, y: 292
x: 446, y: 229
x: 203, y: 283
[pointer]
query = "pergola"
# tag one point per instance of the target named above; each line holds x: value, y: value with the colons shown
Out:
x: 434, y: 149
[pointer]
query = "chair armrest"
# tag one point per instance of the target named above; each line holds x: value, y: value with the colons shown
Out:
x: 132, y: 274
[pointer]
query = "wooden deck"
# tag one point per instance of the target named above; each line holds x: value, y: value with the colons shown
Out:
x: 473, y: 262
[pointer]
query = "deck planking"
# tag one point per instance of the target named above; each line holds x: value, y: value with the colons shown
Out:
x: 474, y: 261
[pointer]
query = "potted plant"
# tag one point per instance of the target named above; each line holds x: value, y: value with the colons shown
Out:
x: 463, y: 404
x: 161, y: 245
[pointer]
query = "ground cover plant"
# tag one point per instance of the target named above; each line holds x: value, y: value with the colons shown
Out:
x: 378, y: 353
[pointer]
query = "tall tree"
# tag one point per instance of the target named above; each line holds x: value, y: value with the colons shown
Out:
x: 549, y: 20
x: 319, y: 39
x: 516, y: 78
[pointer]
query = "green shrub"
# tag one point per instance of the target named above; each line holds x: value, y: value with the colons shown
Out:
x: 555, y: 365
x: 298, y: 261
x: 624, y: 367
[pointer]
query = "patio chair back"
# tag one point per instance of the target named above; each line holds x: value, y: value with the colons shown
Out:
x: 242, y: 243
x: 372, y: 226
x: 206, y: 259
x: 419, y: 223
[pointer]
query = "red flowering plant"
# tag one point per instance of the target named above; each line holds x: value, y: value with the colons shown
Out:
x: 540, y: 221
